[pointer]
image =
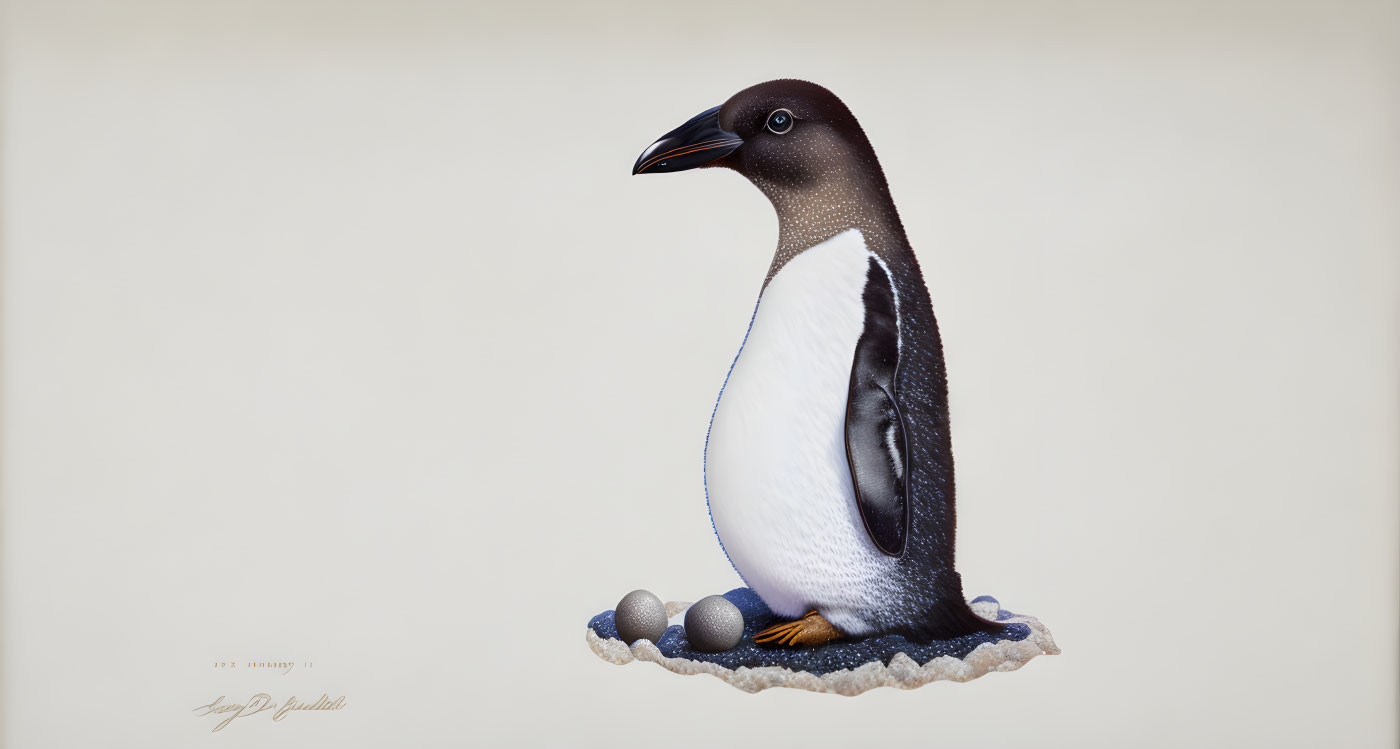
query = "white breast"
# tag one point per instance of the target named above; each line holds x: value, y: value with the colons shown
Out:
x: 776, y: 474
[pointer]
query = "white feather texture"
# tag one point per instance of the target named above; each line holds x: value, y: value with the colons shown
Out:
x: 779, y: 485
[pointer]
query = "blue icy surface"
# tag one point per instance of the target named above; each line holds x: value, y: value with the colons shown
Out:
x: 823, y: 659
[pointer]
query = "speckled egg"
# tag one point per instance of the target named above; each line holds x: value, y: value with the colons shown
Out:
x: 640, y: 615
x: 713, y: 625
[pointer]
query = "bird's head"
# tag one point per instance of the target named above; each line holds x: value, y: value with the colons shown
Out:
x: 786, y: 133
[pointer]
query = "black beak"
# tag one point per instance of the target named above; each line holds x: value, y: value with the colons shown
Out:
x: 696, y: 143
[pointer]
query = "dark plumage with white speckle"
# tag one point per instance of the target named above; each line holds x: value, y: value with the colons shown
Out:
x: 824, y: 180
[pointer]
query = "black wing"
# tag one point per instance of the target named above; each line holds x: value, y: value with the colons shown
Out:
x: 875, y: 434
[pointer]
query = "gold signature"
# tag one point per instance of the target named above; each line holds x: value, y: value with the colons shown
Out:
x: 262, y: 701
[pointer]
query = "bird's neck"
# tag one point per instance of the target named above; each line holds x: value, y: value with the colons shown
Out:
x: 812, y: 213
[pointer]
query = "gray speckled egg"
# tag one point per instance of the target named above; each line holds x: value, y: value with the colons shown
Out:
x: 640, y: 615
x: 713, y: 625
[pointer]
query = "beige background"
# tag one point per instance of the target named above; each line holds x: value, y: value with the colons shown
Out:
x: 338, y: 332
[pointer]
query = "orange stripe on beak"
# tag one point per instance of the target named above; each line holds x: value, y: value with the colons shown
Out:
x: 688, y: 148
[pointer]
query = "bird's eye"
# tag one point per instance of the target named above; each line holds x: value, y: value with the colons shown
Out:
x: 780, y: 121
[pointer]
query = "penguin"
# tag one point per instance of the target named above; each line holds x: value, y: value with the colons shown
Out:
x: 828, y: 464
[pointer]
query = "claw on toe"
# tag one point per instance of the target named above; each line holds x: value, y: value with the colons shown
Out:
x: 812, y: 629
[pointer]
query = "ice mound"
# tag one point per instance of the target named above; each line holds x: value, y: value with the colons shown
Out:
x: 846, y: 667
